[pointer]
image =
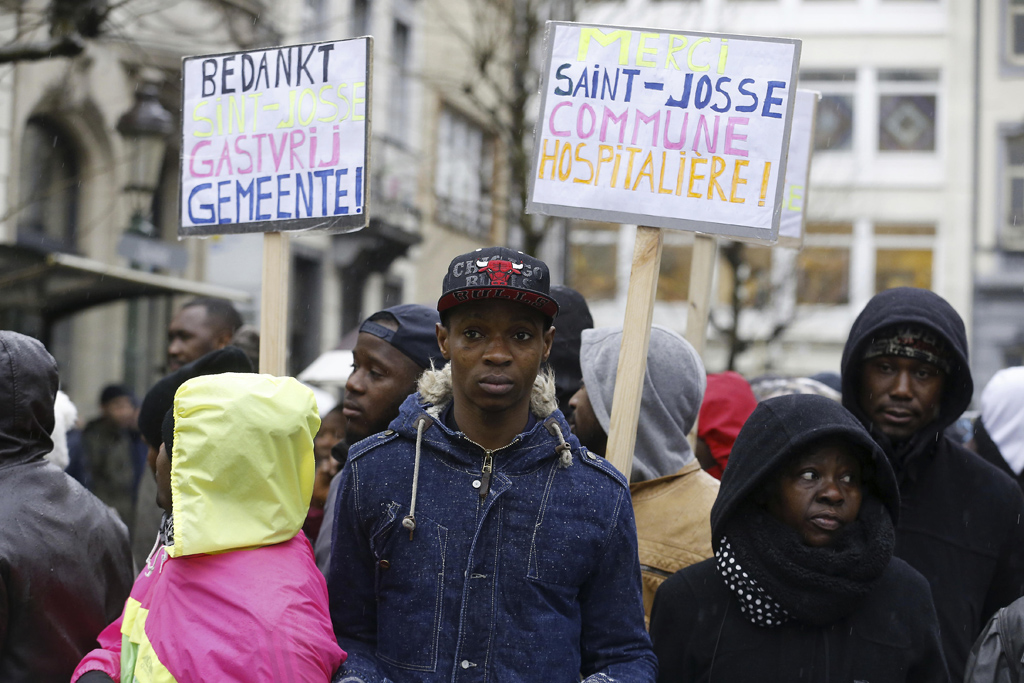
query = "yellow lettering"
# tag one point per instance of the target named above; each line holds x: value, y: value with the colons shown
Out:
x: 629, y: 167
x: 604, y: 40
x: 648, y: 164
x: 602, y: 159
x: 679, y: 177
x: 583, y: 160
x: 723, y: 55
x: 689, y: 56
x: 737, y: 181
x: 197, y: 118
x: 565, y: 154
x: 661, y: 177
x: 358, y: 100
x: 291, y: 112
x: 236, y: 112
x: 545, y: 157
x: 348, y: 105
x: 642, y: 50
x: 312, y: 95
x: 673, y: 49
x: 717, y: 168
x: 694, y: 176
x: 327, y: 119
x: 796, y: 194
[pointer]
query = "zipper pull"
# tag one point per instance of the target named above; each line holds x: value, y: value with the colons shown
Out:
x: 485, y: 478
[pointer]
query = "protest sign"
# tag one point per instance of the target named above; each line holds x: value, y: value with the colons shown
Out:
x: 678, y: 130
x: 798, y: 169
x: 664, y: 129
x: 276, y: 139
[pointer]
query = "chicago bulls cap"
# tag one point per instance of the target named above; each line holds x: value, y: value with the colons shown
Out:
x: 498, y: 273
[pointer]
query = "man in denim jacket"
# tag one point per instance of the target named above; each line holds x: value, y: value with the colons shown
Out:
x: 476, y: 540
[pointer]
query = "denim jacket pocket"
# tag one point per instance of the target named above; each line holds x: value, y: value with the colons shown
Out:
x: 410, y: 584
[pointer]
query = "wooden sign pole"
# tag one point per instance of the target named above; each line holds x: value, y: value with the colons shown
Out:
x: 274, y: 304
x: 636, y: 337
x: 702, y: 272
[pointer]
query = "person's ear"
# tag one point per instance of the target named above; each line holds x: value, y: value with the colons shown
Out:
x: 442, y: 340
x: 549, y: 338
x: 224, y: 338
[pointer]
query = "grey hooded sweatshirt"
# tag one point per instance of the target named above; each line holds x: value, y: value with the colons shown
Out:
x: 673, y: 391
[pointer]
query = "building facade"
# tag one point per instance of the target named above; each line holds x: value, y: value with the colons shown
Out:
x: 890, y: 195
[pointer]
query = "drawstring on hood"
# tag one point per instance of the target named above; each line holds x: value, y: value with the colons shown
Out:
x: 410, y: 519
x: 435, y: 394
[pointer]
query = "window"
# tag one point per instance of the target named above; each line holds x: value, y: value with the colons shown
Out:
x: 823, y: 265
x: 904, y: 256
x: 398, y: 95
x: 465, y: 168
x: 755, y: 276
x: 1015, y: 30
x: 1012, y: 234
x: 906, y: 110
x: 49, y: 186
x: 360, y: 19
x: 593, y: 259
x: 833, y: 129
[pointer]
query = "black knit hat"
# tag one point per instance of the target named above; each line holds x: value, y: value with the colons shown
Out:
x: 160, y: 399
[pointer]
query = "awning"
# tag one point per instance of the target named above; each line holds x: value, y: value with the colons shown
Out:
x: 55, y: 285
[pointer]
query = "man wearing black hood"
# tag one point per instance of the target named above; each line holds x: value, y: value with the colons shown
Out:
x: 65, y: 568
x: 906, y: 377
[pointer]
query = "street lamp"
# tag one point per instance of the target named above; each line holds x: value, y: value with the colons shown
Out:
x: 145, y: 128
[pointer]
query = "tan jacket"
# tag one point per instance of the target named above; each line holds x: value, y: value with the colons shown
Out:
x: 673, y: 524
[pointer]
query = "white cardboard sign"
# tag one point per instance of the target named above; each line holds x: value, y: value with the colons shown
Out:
x: 679, y: 130
x: 798, y: 169
x: 276, y: 139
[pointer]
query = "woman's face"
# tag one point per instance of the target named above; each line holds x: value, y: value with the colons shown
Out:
x: 818, y: 493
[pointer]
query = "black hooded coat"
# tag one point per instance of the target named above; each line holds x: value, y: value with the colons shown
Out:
x: 887, y: 634
x: 961, y: 521
x: 65, y: 564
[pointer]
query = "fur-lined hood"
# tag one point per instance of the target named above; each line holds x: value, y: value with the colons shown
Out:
x: 435, y: 390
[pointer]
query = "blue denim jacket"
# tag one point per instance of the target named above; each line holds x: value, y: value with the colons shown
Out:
x: 538, y: 580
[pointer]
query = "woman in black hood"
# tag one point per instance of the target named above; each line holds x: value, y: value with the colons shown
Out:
x: 803, y: 585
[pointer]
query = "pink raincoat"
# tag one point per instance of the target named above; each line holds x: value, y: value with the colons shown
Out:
x: 237, y: 597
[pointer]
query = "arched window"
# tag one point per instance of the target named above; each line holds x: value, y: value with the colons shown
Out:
x: 49, y: 183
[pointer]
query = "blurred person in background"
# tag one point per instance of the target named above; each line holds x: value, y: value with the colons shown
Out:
x: 573, y: 317
x: 999, y: 430
x: 202, y: 325
x: 331, y: 433
x: 671, y: 495
x: 393, y: 348
x: 907, y: 377
x: 728, y: 402
x: 65, y: 567
x: 115, y: 452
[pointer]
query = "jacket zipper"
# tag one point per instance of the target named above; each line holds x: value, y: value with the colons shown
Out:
x: 488, y: 467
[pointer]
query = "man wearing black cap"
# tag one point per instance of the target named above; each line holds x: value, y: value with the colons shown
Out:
x: 393, y: 347
x: 475, y: 538
x: 906, y: 377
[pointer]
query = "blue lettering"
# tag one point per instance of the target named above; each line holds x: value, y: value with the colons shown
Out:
x: 260, y: 196
x: 338, y: 208
x: 769, y: 100
x: 205, y: 207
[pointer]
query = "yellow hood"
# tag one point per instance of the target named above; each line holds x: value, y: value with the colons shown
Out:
x: 242, y: 462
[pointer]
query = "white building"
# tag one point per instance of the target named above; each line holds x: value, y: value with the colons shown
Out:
x: 891, y: 179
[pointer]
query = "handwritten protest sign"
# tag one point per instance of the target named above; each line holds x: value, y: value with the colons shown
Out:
x: 798, y: 169
x: 276, y: 139
x: 686, y: 131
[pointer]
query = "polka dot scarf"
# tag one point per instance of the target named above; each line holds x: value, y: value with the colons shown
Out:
x: 755, y: 603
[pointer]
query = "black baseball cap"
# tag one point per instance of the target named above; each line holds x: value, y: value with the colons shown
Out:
x: 498, y: 273
x: 416, y: 335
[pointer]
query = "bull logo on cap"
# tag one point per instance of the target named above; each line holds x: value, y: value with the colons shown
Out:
x: 499, y: 271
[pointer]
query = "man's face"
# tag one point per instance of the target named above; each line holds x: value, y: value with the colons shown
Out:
x: 163, y: 479
x: 818, y: 493
x: 900, y: 395
x: 121, y: 411
x: 382, y: 377
x: 191, y: 335
x: 495, y: 348
x: 584, y: 423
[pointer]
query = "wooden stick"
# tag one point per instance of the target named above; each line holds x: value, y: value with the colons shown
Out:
x: 636, y: 337
x: 274, y: 304
x: 702, y: 271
